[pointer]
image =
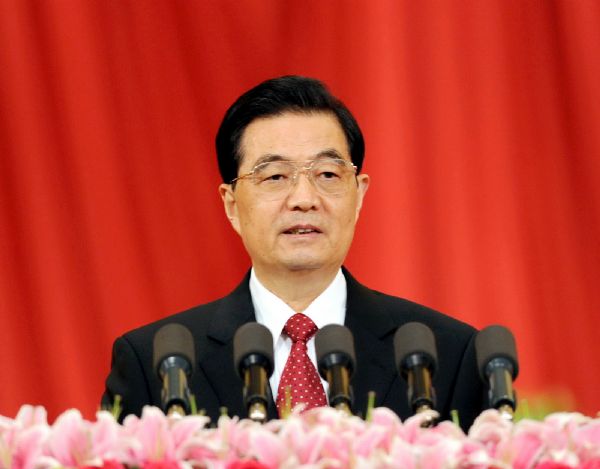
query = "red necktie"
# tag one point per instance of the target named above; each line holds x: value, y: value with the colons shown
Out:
x: 299, y: 372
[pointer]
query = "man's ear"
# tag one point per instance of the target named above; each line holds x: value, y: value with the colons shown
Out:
x: 362, y: 181
x: 230, y: 205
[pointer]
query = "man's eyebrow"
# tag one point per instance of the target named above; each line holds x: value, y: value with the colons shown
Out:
x: 267, y: 158
x: 327, y: 153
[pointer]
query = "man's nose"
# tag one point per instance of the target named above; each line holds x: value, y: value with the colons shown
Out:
x: 303, y: 193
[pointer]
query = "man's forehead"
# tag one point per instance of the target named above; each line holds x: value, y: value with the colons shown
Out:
x: 293, y: 136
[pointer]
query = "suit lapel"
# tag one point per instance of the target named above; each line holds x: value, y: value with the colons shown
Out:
x: 234, y: 311
x: 372, y: 329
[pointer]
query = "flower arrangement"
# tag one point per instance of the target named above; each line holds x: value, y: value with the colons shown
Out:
x: 319, y: 438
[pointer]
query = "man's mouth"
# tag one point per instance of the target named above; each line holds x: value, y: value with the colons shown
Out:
x: 297, y: 230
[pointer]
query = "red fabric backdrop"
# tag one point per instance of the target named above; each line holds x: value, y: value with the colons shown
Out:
x: 483, y: 143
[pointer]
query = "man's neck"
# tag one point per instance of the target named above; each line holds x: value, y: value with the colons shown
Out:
x: 298, y: 289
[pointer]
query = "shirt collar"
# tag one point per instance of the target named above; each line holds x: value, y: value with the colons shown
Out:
x: 271, y: 311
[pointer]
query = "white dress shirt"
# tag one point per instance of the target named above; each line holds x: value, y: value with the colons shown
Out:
x: 272, y: 312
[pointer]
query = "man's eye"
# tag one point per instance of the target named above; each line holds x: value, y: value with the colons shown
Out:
x: 328, y: 175
x: 272, y: 177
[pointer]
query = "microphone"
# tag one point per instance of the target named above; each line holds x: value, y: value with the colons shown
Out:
x: 174, y: 360
x: 253, y: 360
x: 416, y: 360
x: 498, y: 366
x: 334, y: 345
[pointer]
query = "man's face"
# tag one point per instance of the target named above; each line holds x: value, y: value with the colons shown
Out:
x: 304, y: 229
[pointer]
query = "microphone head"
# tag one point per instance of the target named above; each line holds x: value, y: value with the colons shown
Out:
x: 334, y: 344
x: 173, y: 340
x: 495, y: 342
x: 415, y: 340
x: 253, y: 344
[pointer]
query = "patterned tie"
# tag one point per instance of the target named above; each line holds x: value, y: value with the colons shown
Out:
x: 299, y: 372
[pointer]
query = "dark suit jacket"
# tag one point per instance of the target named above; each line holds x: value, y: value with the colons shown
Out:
x: 373, y: 317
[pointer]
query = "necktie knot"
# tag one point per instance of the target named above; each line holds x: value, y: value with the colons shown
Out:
x: 300, y: 328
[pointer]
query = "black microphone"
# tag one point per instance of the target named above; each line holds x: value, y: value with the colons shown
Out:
x: 334, y: 345
x: 498, y: 365
x: 416, y: 360
x: 174, y: 360
x: 253, y: 360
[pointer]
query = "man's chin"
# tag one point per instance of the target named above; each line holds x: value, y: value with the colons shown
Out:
x: 302, y: 267
x: 307, y: 263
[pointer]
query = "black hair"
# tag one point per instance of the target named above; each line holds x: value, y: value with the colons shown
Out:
x: 276, y: 96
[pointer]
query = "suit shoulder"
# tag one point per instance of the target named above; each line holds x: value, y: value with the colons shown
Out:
x: 194, y: 318
x: 395, y: 311
x: 400, y: 308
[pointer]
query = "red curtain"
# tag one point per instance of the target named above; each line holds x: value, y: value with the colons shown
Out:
x: 482, y: 127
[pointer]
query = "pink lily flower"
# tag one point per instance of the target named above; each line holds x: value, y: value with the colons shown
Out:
x: 70, y: 441
x: 147, y: 439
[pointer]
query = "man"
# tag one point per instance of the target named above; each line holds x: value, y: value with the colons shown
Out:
x: 290, y: 155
